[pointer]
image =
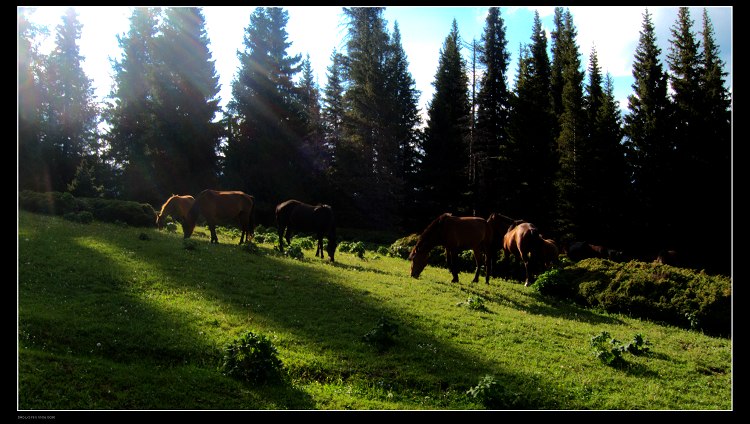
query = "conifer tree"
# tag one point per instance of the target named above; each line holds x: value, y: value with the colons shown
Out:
x: 264, y: 159
x: 30, y: 165
x: 701, y: 140
x: 333, y: 108
x: 444, y: 168
x: 133, y: 123
x: 531, y: 133
x: 648, y: 142
x: 572, y: 127
x: 717, y: 153
x: 186, y: 88
x: 313, y: 141
x: 69, y: 112
x: 494, y: 170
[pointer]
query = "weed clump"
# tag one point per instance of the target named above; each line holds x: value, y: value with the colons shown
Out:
x: 252, y: 358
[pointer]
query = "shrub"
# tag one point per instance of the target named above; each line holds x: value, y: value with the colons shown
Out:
x: 382, y: 337
x: 83, y: 217
x: 609, y: 350
x: 251, y: 358
x: 676, y: 296
x: 171, y: 227
x: 294, y: 252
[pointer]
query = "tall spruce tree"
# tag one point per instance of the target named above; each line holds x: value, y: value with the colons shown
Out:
x: 131, y: 117
x: 702, y: 143
x: 649, y: 149
x: 333, y: 109
x: 70, y: 114
x: 602, y: 161
x: 494, y: 172
x: 717, y: 154
x: 444, y: 168
x: 402, y: 120
x: 263, y: 159
x: 31, y: 169
x: 572, y: 127
x: 313, y: 142
x: 531, y: 134
x: 186, y: 88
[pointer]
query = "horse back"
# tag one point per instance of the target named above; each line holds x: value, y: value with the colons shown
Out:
x: 467, y: 232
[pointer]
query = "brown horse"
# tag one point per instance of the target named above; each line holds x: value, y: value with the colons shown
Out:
x: 176, y: 206
x: 455, y: 234
x: 523, y: 240
x: 294, y: 216
x: 550, y: 253
x: 221, y: 206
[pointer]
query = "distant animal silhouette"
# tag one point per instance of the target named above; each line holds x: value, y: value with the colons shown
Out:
x: 222, y: 206
x: 583, y: 250
x: 294, y: 216
x: 668, y: 257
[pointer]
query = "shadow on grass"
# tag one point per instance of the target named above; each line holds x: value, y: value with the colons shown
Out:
x: 102, y: 298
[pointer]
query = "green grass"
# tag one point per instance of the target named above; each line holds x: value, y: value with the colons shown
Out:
x: 110, y: 319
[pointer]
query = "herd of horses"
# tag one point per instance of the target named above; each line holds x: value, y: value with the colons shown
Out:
x: 485, y: 237
x: 217, y: 207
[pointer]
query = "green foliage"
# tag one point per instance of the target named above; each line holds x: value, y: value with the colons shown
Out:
x: 83, y: 217
x: 252, y: 358
x: 609, y: 350
x: 250, y: 247
x: 171, y: 226
x: 476, y: 303
x: 108, y: 210
x: 664, y: 293
x: 403, y: 246
x: 355, y: 247
x: 383, y: 336
x: 294, y: 251
x: 305, y: 243
x: 189, y: 244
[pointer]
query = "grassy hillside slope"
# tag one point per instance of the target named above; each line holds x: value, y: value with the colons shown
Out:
x: 114, y: 317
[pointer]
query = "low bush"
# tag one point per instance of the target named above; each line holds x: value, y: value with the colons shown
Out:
x: 252, y: 358
x: 107, y: 210
x: 677, y: 296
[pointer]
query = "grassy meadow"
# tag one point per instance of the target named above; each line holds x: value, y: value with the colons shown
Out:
x: 112, y: 317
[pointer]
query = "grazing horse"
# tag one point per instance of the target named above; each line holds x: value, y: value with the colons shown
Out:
x: 455, y: 234
x: 221, y: 206
x: 582, y: 250
x: 667, y: 257
x: 176, y: 206
x: 550, y: 253
x: 524, y: 241
x: 295, y: 216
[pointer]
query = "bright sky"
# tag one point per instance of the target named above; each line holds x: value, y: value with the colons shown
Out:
x: 318, y: 30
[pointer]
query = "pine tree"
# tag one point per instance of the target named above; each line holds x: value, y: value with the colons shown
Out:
x: 531, y: 134
x: 602, y: 161
x: 263, y: 158
x: 702, y: 141
x: 716, y: 153
x: 444, y: 168
x: 313, y: 142
x: 30, y: 166
x: 186, y: 104
x: 648, y: 144
x: 69, y: 112
x: 133, y: 123
x: 493, y: 107
x: 572, y: 127
x: 333, y: 108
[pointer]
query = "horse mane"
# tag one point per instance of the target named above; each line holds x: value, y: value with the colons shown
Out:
x: 429, y: 233
x: 164, y: 206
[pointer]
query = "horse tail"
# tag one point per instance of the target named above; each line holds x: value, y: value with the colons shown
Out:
x: 192, y: 216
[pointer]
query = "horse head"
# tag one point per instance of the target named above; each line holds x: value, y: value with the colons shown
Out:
x: 418, y: 258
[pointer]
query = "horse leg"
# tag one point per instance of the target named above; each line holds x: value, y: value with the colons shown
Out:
x: 320, y: 247
x: 478, y: 264
x: 214, y: 239
x: 454, y: 265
